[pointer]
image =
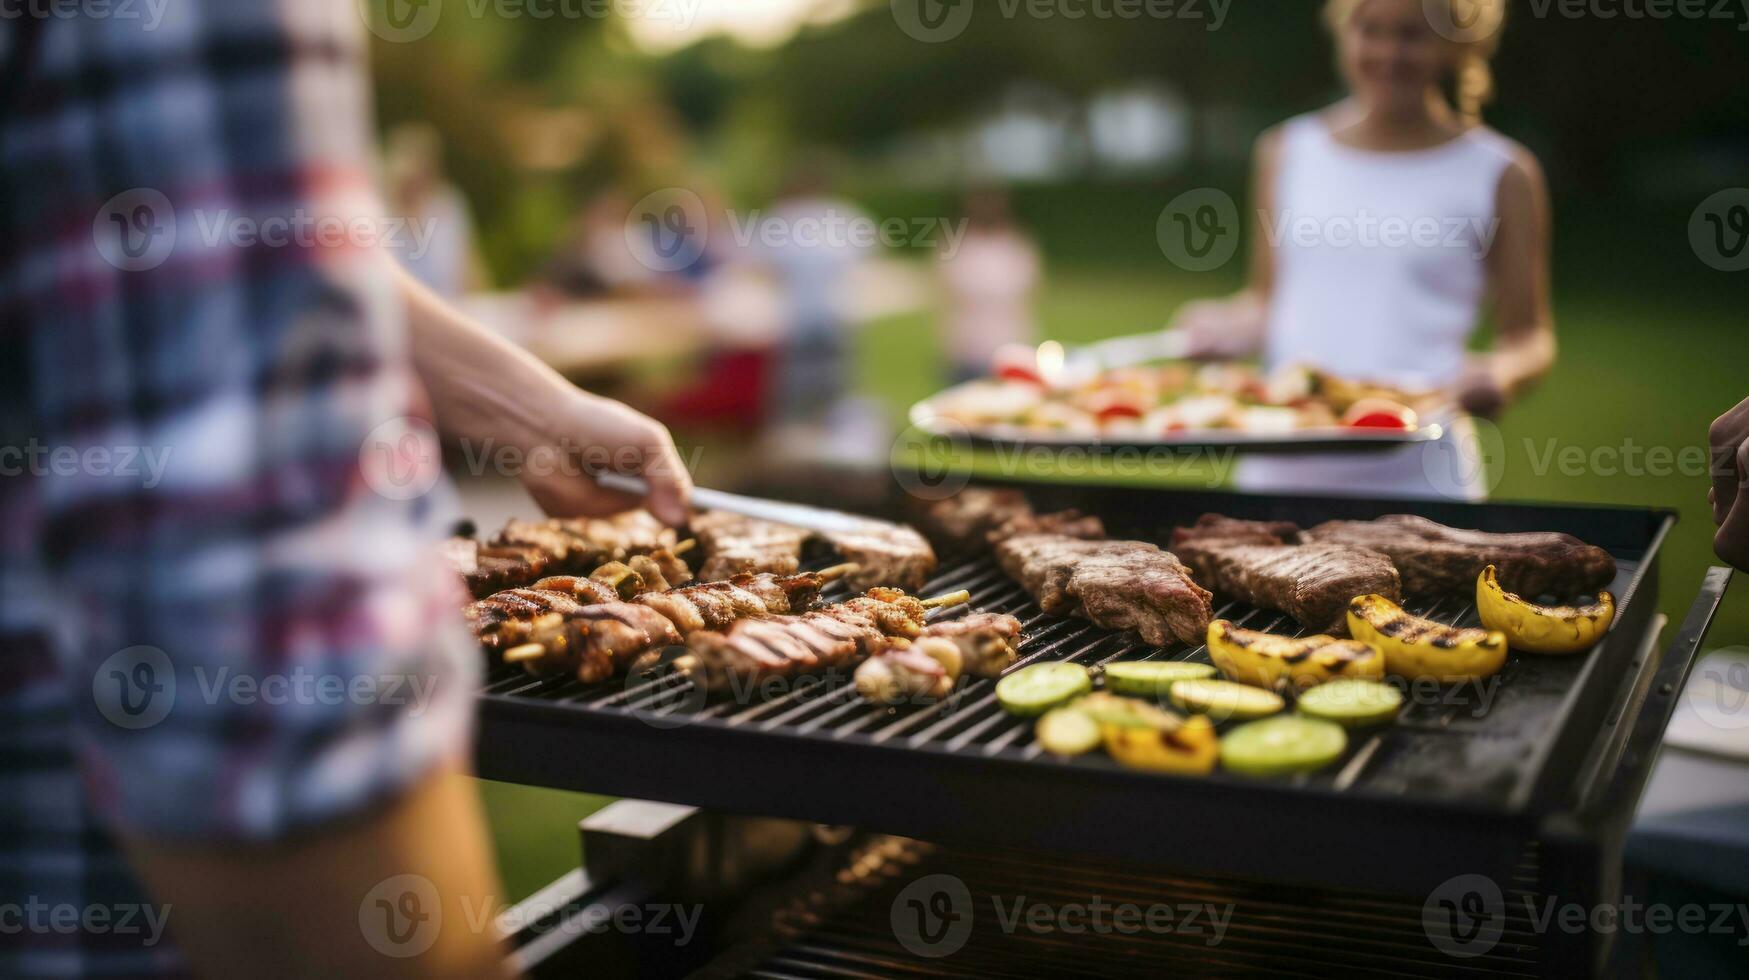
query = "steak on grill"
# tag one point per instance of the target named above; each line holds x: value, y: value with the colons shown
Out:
x: 891, y: 555
x: 978, y: 517
x: 1116, y: 584
x: 1434, y: 559
x: 1257, y: 563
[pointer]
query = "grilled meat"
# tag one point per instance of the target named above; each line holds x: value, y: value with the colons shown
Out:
x: 539, y: 615
x: 1254, y: 562
x: 487, y: 569
x: 734, y: 545
x: 754, y: 651
x: 1435, y: 560
x: 597, y: 642
x: 981, y: 516
x: 1116, y: 584
x: 527, y: 550
x: 894, y: 555
x: 983, y: 641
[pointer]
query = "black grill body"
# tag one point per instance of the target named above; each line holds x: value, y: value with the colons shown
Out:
x: 1467, y: 782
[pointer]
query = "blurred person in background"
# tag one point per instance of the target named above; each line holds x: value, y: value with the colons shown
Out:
x: 437, y: 247
x: 989, y: 283
x: 299, y: 833
x: 1729, y: 496
x: 807, y: 241
x: 1407, y: 143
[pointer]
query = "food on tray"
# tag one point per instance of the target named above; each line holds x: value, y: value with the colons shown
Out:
x: 1152, y: 678
x: 1265, y: 565
x: 1119, y: 585
x: 527, y: 550
x: 979, y: 516
x: 979, y: 645
x: 1038, y: 688
x: 1187, y: 746
x: 1162, y: 400
x: 756, y: 651
x: 1282, y: 746
x: 1417, y: 648
x: 1225, y: 700
x: 1542, y: 629
x: 1268, y: 661
x: 582, y: 626
x: 1067, y: 732
x: 1433, y: 559
x: 1352, y: 702
x: 892, y: 556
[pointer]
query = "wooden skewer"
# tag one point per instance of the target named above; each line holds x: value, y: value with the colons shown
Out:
x: 683, y: 547
x: 524, y: 653
x: 837, y: 572
x: 959, y: 598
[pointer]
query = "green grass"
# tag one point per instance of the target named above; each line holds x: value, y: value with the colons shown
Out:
x: 1648, y: 356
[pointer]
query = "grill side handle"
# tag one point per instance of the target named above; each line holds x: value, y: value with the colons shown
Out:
x: 1617, y: 790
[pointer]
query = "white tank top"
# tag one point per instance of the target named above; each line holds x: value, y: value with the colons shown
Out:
x: 1380, y: 257
x: 1380, y: 274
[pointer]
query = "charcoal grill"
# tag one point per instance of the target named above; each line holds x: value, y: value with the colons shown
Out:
x: 1546, y: 762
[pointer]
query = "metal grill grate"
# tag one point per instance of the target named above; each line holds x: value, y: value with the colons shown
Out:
x: 1473, y: 742
x: 852, y: 930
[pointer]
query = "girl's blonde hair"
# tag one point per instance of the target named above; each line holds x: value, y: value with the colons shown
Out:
x: 1473, y: 26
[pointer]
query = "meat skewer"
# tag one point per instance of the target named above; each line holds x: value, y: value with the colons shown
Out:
x: 525, y: 551
x: 583, y: 625
x: 981, y: 645
x: 754, y: 651
x: 1265, y: 565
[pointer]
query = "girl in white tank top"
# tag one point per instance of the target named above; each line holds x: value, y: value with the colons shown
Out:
x: 1386, y: 225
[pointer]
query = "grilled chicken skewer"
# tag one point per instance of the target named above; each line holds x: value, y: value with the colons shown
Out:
x: 757, y: 650
x: 981, y: 645
x: 528, y: 550
x: 597, y: 635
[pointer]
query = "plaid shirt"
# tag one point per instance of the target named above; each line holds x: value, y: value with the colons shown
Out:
x: 212, y: 627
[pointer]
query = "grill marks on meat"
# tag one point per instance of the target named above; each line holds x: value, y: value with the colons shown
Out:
x: 1115, y: 584
x: 1255, y: 563
x: 1434, y: 559
x: 981, y: 516
x: 733, y: 545
x: 527, y: 550
x: 893, y: 555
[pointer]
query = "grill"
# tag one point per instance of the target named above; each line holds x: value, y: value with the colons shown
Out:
x: 1529, y: 781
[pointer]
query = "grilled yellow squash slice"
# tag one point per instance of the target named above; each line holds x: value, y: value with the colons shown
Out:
x: 1417, y: 648
x: 1542, y: 629
x: 1266, y: 660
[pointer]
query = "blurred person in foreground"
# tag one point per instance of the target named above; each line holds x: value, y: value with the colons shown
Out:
x: 437, y: 246
x: 1729, y: 496
x: 989, y: 280
x: 317, y: 819
x: 1400, y: 313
